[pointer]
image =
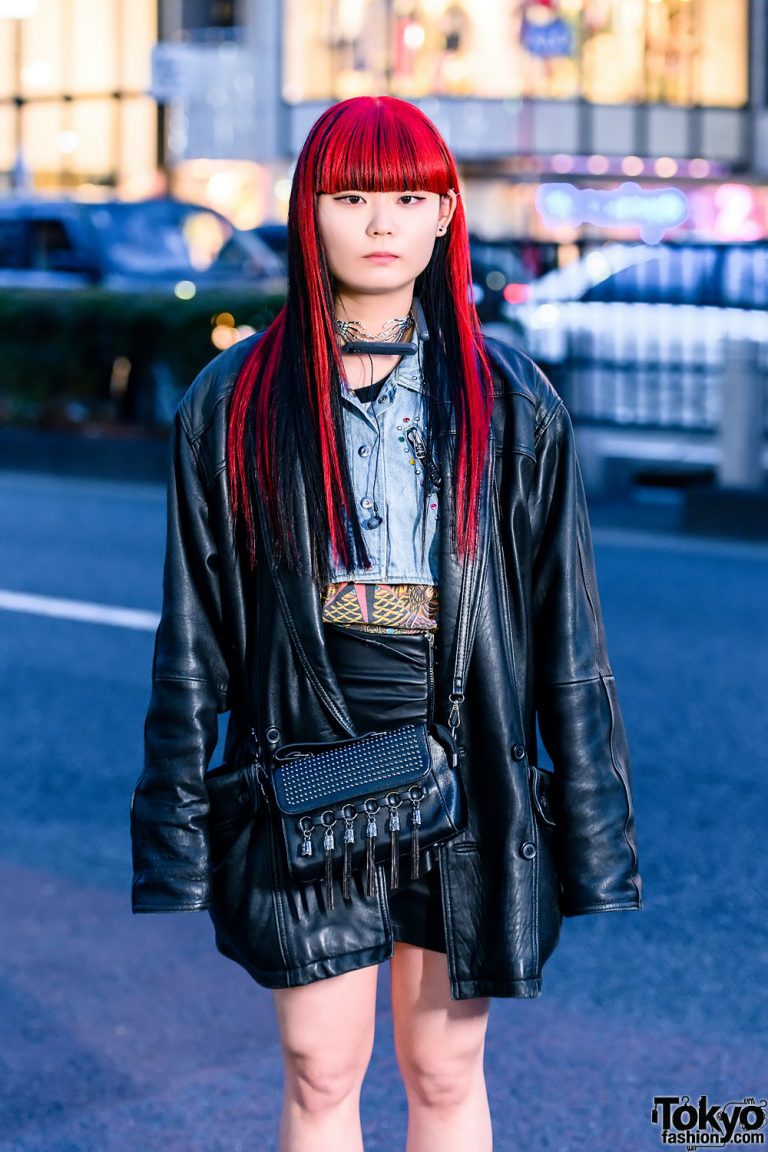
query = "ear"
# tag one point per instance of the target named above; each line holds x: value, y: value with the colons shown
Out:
x: 447, y: 208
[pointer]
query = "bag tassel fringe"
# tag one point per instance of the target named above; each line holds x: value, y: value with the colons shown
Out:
x: 415, y: 847
x: 346, y: 869
x: 394, y: 847
x: 371, y: 833
x: 329, y: 845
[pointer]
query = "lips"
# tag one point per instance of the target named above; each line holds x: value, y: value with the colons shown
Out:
x: 381, y: 256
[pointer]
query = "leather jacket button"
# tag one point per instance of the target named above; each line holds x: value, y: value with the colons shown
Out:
x: 518, y: 751
x: 272, y: 734
x: 528, y: 850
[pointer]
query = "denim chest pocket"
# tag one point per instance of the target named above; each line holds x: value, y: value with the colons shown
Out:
x: 420, y: 459
x: 395, y: 481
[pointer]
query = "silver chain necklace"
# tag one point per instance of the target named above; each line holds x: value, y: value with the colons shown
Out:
x: 392, y: 331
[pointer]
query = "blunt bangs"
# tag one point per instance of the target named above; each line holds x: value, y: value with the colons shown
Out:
x: 370, y: 146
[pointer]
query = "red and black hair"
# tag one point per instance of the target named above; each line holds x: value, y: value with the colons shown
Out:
x: 286, y: 407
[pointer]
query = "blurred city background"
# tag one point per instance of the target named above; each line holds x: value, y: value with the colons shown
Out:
x: 614, y: 159
x: 614, y: 163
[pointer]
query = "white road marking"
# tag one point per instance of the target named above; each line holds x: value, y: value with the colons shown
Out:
x: 81, y: 610
x: 140, y: 621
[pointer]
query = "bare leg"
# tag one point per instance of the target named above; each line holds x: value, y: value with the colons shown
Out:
x: 326, y: 1032
x: 440, y: 1044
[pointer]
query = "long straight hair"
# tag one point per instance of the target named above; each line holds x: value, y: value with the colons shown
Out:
x: 286, y: 415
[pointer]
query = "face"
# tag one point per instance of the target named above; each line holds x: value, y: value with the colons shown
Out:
x: 377, y: 243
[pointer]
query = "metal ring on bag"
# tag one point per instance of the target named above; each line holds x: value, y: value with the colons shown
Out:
x: 416, y: 792
x: 368, y: 805
x: 328, y: 823
x: 306, y: 824
x: 397, y: 800
x: 349, y: 811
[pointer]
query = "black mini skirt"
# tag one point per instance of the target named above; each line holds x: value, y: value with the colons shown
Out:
x: 387, y: 680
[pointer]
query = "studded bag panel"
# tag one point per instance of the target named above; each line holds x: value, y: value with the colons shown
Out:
x: 304, y: 776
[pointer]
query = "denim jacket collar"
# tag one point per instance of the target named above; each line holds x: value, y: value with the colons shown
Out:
x: 408, y: 373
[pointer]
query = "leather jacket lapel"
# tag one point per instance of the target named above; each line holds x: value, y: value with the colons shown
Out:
x: 301, y: 606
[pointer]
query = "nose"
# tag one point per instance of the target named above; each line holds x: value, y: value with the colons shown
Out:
x: 380, y: 228
x: 380, y: 222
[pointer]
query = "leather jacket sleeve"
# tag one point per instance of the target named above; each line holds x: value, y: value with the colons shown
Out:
x: 189, y: 688
x: 575, y: 694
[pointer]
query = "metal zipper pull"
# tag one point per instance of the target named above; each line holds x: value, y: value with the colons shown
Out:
x: 306, y: 826
x: 454, y: 718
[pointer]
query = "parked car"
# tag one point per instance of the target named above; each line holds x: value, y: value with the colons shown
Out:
x: 275, y: 236
x: 635, y: 334
x: 502, y: 273
x: 154, y: 245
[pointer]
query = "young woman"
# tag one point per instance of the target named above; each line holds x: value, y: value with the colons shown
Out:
x: 342, y: 523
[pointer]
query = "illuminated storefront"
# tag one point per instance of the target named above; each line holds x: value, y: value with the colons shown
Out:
x: 591, y: 92
x: 74, y: 109
x: 678, y: 52
x: 639, y: 108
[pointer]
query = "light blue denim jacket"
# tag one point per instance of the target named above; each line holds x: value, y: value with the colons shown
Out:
x: 387, y: 477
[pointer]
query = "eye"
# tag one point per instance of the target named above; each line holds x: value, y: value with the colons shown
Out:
x: 349, y: 198
x: 411, y: 198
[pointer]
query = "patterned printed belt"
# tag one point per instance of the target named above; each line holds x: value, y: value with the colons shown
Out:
x: 383, y: 608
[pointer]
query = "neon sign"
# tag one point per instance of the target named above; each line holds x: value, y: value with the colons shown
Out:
x: 652, y: 210
x: 735, y: 204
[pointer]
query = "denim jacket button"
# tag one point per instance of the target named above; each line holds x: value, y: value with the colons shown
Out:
x: 363, y: 450
x: 366, y: 502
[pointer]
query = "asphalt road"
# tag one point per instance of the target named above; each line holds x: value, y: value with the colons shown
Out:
x: 131, y: 1034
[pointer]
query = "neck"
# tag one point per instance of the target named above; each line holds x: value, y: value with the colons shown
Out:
x: 373, y: 311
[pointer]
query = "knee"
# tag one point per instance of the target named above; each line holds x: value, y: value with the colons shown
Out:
x: 441, y: 1081
x: 319, y: 1082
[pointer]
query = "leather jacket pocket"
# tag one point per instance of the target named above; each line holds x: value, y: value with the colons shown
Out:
x: 540, y: 793
x: 233, y: 798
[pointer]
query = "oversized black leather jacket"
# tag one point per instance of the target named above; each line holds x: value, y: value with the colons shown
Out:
x: 539, y: 845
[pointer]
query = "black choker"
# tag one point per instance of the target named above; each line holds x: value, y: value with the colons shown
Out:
x: 383, y: 347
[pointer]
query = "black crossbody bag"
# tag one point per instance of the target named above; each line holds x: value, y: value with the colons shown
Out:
x: 353, y: 804
x: 350, y: 805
